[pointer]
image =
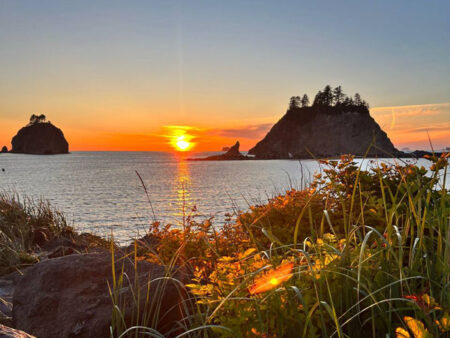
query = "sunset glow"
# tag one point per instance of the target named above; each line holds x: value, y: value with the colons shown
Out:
x: 179, y: 138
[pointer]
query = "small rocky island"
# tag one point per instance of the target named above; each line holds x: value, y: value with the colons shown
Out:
x: 335, y: 124
x: 233, y: 154
x: 39, y: 137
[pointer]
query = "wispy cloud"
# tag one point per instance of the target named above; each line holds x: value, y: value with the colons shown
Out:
x: 444, y: 127
x: 411, y: 125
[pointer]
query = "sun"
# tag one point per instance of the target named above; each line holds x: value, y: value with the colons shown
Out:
x: 180, y: 138
x: 183, y: 145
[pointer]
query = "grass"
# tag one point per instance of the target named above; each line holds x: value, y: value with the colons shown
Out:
x: 24, y: 225
x: 357, y: 253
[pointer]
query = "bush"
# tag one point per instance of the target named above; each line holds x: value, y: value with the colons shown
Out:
x: 359, y: 252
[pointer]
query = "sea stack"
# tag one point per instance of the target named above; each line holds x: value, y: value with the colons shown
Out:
x: 40, y: 137
x: 325, y: 130
x: 4, y: 149
x: 232, y: 154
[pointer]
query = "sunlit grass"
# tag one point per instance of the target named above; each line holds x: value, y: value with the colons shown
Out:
x: 357, y: 253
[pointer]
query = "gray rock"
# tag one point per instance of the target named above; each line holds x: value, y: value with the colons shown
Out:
x: 7, y: 332
x: 324, y: 132
x: 40, y: 139
x: 69, y: 296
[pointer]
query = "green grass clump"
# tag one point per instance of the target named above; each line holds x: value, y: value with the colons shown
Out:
x: 25, y: 224
x: 358, y: 253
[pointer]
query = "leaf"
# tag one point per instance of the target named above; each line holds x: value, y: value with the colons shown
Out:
x: 247, y: 253
x: 402, y: 333
x: 417, y: 327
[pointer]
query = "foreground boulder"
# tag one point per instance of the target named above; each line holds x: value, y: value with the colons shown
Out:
x: 40, y: 138
x: 69, y: 296
x: 7, y: 332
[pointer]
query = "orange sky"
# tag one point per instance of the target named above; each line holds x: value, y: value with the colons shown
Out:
x: 407, y: 126
x: 113, y: 75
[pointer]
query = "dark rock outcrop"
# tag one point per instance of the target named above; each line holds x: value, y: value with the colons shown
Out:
x: 422, y: 153
x: 232, y: 154
x: 7, y: 332
x: 321, y: 131
x: 4, y: 149
x: 40, y: 139
x: 69, y: 296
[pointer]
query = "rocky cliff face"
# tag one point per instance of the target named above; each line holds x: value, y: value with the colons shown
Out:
x: 324, y: 132
x: 40, y: 138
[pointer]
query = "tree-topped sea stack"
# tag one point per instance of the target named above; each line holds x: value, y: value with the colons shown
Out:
x: 39, y: 137
x: 335, y: 124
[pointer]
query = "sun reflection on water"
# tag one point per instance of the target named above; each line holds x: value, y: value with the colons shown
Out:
x: 183, y: 189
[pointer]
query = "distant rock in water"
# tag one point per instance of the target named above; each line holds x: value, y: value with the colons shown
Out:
x: 325, y: 131
x: 4, y: 149
x: 232, y: 154
x: 40, y: 138
x: 423, y: 153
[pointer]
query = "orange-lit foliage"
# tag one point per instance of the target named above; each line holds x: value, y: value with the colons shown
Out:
x: 335, y: 262
x: 272, y: 279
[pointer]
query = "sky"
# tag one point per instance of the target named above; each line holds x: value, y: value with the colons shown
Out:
x: 119, y: 75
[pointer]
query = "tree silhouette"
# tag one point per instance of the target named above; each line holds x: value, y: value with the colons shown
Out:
x: 328, y: 95
x: 348, y: 101
x: 294, y: 102
x: 305, y: 100
x: 318, y: 99
x: 338, y: 95
x: 33, y: 119
x: 357, y: 100
x: 37, y: 119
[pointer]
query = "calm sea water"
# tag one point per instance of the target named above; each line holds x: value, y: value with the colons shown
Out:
x: 100, y: 191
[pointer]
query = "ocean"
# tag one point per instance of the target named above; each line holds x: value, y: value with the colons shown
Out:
x: 101, y: 192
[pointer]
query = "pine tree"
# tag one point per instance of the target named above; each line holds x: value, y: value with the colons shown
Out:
x: 357, y: 100
x: 294, y: 102
x: 327, y: 96
x: 305, y: 100
x: 338, y: 95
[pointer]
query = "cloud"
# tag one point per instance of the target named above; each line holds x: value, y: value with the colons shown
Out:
x: 445, y: 127
x: 412, y: 125
x: 255, y: 131
x: 412, y: 110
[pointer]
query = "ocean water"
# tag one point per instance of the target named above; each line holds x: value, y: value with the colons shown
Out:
x: 100, y: 192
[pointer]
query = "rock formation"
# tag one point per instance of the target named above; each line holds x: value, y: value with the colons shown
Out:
x: 7, y: 332
x: 41, y: 138
x: 69, y: 296
x: 232, y: 154
x: 325, y: 131
x: 4, y: 149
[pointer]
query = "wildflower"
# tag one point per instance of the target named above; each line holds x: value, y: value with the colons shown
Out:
x: 424, y: 301
x: 444, y: 323
x: 258, y: 334
x: 415, y: 326
x: 272, y: 279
